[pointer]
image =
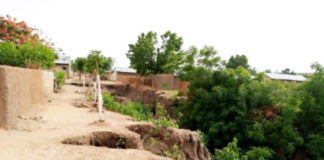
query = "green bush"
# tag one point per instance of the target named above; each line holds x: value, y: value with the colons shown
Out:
x: 26, y: 54
x: 60, y: 79
x: 140, y: 112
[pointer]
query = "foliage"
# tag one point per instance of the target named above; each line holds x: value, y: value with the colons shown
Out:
x: 60, y: 78
x: 232, y: 152
x: 259, y: 153
x: 227, y: 103
x: 311, y: 113
x: 26, y: 54
x: 148, y: 58
x: 206, y: 59
x: 96, y: 60
x: 288, y: 71
x: 237, y: 61
x: 79, y: 64
x: 139, y: 112
x: 17, y: 32
x: 174, y: 153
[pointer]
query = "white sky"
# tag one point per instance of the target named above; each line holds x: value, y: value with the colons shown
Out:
x: 273, y: 34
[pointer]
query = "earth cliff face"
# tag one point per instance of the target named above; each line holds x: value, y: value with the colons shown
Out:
x: 143, y: 135
x: 187, y: 141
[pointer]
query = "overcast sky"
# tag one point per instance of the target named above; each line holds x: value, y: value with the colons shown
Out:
x: 273, y: 34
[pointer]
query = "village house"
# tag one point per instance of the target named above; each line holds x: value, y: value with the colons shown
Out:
x: 285, y: 77
x: 63, y: 63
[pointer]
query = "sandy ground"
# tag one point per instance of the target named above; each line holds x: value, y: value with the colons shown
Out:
x: 41, y: 140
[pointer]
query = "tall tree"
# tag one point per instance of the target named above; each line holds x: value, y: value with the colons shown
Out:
x: 147, y: 57
x: 95, y: 59
x: 79, y: 64
x: 236, y: 61
x: 206, y: 58
x: 18, y: 32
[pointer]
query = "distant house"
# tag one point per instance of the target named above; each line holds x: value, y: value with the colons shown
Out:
x: 125, y: 75
x: 63, y: 63
x: 285, y: 77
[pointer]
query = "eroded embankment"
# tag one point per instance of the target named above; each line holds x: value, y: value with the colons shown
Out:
x: 143, y: 135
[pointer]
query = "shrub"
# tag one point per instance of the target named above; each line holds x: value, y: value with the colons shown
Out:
x: 140, y: 112
x: 26, y: 54
x: 60, y: 79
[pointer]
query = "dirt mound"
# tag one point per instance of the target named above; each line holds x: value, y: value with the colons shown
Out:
x: 107, y: 139
x: 161, y: 140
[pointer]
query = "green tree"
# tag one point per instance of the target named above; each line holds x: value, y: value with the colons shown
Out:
x: 227, y: 103
x: 311, y: 113
x: 288, y: 71
x: 189, y: 66
x: 96, y: 60
x: 205, y: 59
x: 236, y: 61
x: 27, y: 54
x: 149, y: 58
x: 208, y: 58
x: 79, y: 64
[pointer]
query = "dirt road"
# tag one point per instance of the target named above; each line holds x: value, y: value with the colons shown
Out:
x: 40, y: 139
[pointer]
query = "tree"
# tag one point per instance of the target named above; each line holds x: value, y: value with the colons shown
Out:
x: 27, y: 54
x: 96, y: 60
x: 205, y: 58
x: 21, y: 46
x: 311, y: 113
x: 267, y: 71
x: 149, y: 58
x: 18, y: 32
x: 189, y: 66
x: 208, y: 58
x: 227, y: 103
x: 288, y: 71
x: 236, y: 61
x: 79, y: 64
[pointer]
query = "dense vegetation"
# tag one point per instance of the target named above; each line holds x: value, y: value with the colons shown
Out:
x: 280, y: 118
x: 250, y: 117
x: 93, y: 61
x: 140, y: 112
x: 147, y: 57
x: 21, y: 46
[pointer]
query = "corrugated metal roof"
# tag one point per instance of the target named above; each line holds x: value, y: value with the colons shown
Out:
x: 287, y: 77
x: 61, y: 62
x: 126, y: 70
x: 62, y: 59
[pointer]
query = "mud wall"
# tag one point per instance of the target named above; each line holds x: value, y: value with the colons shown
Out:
x: 48, y: 83
x: 21, y: 89
x: 129, y: 78
x: 165, y: 81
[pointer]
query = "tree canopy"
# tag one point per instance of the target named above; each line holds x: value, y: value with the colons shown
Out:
x: 27, y: 54
x: 79, y: 64
x: 21, y: 46
x: 284, y: 119
x: 93, y: 61
x: 288, y: 71
x: 237, y: 61
x: 18, y: 32
x: 147, y: 57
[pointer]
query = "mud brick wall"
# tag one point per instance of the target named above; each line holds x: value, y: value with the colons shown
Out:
x: 21, y: 89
